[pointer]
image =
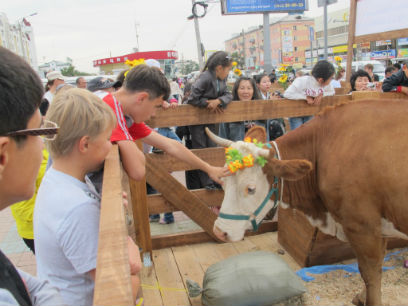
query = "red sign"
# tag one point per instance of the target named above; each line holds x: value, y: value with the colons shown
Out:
x: 287, y: 59
x: 157, y: 55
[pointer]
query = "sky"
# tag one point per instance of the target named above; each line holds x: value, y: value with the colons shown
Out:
x: 86, y: 30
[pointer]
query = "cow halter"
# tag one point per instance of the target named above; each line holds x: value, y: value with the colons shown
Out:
x: 274, y: 190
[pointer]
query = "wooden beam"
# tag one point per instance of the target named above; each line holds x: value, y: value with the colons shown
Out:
x: 351, y: 33
x: 240, y: 111
x: 359, y: 95
x: 178, y: 239
x: 179, y: 196
x: 112, y: 283
x: 157, y: 204
x: 213, y: 156
x: 141, y: 212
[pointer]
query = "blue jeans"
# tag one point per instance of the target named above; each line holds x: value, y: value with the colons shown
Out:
x: 233, y: 131
x: 298, y: 121
x: 168, y: 132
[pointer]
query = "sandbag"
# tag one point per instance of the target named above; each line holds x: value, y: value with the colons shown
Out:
x: 254, y: 278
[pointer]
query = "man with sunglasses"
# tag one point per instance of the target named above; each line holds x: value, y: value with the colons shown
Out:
x: 20, y: 158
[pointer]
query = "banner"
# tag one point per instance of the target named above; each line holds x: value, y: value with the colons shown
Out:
x: 230, y: 7
x: 386, y: 54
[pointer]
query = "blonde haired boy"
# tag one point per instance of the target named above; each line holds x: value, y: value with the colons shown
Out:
x: 67, y: 209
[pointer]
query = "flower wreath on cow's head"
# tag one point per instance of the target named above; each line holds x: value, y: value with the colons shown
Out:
x: 236, y: 161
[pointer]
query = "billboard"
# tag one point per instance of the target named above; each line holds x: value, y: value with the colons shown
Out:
x: 232, y: 7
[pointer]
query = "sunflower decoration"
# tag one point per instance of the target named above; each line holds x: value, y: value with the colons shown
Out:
x: 134, y: 63
x: 235, y: 69
x: 283, y: 80
x: 338, y: 60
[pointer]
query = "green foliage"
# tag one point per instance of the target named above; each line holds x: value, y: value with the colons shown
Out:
x: 189, y: 66
x: 71, y: 71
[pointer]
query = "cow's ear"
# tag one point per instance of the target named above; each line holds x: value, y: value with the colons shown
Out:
x: 257, y: 132
x: 291, y: 170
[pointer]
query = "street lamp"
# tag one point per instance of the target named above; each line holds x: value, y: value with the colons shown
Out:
x: 195, y: 15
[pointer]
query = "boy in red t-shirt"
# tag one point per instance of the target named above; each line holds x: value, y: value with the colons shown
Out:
x: 143, y: 92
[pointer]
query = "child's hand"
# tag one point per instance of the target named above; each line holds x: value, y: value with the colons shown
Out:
x: 134, y: 257
x: 173, y: 104
x: 318, y: 99
x: 216, y: 173
x: 212, y: 105
x: 165, y: 105
x: 310, y: 100
x: 405, y: 69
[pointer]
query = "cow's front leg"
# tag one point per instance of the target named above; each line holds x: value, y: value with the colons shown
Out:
x: 370, y: 249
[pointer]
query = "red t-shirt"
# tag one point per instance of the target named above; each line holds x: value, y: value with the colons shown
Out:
x: 122, y: 132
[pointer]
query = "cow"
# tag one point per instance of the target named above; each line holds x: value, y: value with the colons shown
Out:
x: 346, y: 170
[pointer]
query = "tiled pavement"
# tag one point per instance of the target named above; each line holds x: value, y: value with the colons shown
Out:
x: 13, y: 246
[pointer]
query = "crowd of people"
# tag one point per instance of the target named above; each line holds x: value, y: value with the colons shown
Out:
x: 56, y: 190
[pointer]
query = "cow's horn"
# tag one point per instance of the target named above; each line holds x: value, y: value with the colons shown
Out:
x: 218, y: 140
x: 263, y: 152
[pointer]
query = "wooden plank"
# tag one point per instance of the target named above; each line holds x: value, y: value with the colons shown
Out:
x: 179, y: 196
x: 189, y: 268
x: 359, y: 95
x: 341, y: 91
x: 240, y: 111
x: 295, y: 234
x: 129, y: 209
x: 213, y: 156
x: 351, y: 36
x: 173, y: 291
x: 208, y: 255
x: 141, y: 212
x: 245, y: 246
x: 151, y: 292
x: 112, y: 283
x: 184, y: 238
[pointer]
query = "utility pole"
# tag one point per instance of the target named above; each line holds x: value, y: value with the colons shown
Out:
x: 267, y: 45
x: 325, y: 29
x: 198, y: 40
x: 137, y: 36
x: 243, y: 48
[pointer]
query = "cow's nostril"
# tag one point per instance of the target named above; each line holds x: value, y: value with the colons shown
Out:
x: 251, y: 189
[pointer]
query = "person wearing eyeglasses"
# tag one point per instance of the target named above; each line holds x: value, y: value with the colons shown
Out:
x: 21, y: 147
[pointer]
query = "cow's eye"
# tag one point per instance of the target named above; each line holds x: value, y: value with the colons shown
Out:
x: 251, y: 189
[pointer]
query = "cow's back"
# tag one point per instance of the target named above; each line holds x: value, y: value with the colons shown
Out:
x: 362, y: 160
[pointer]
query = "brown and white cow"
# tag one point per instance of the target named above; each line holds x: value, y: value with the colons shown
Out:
x: 346, y: 170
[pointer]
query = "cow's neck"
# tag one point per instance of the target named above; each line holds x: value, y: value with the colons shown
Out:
x: 303, y: 143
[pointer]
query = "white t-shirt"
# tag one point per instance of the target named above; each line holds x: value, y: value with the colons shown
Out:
x: 307, y: 86
x: 335, y: 83
x: 66, y: 225
x: 49, y: 96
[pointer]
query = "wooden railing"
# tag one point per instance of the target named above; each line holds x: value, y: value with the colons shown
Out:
x: 112, y: 286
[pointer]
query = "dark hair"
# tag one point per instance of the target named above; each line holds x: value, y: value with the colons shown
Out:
x: 218, y: 58
x: 323, y: 69
x: 44, y: 107
x: 21, y: 92
x: 149, y: 79
x: 397, y: 65
x: 48, y: 85
x: 255, y: 96
x: 369, y: 66
x: 259, y: 77
x: 355, y: 75
x: 390, y: 69
x: 186, y: 92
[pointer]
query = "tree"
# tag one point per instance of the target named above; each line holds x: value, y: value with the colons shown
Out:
x: 189, y: 66
x: 71, y: 71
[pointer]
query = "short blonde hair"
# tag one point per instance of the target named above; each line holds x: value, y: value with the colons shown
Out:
x: 78, y: 113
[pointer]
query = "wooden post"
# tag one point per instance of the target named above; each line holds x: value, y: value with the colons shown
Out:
x: 351, y: 33
x: 112, y: 282
x: 141, y: 212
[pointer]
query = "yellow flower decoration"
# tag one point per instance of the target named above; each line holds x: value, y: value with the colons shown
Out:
x: 282, y: 69
x: 247, y: 139
x: 338, y: 59
x: 133, y: 63
x: 234, y: 64
x: 237, y: 71
x: 248, y: 161
x: 283, y: 79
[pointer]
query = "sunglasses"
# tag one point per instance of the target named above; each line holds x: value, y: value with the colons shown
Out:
x: 48, y: 130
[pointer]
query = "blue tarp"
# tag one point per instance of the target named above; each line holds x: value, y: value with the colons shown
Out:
x: 352, y: 268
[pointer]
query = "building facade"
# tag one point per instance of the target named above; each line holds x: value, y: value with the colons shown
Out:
x: 114, y: 65
x: 19, y: 38
x: 289, y: 38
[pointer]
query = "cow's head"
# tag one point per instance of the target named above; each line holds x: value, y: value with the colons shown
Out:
x: 248, y: 187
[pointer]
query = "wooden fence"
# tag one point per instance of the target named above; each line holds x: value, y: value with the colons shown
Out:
x: 112, y: 286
